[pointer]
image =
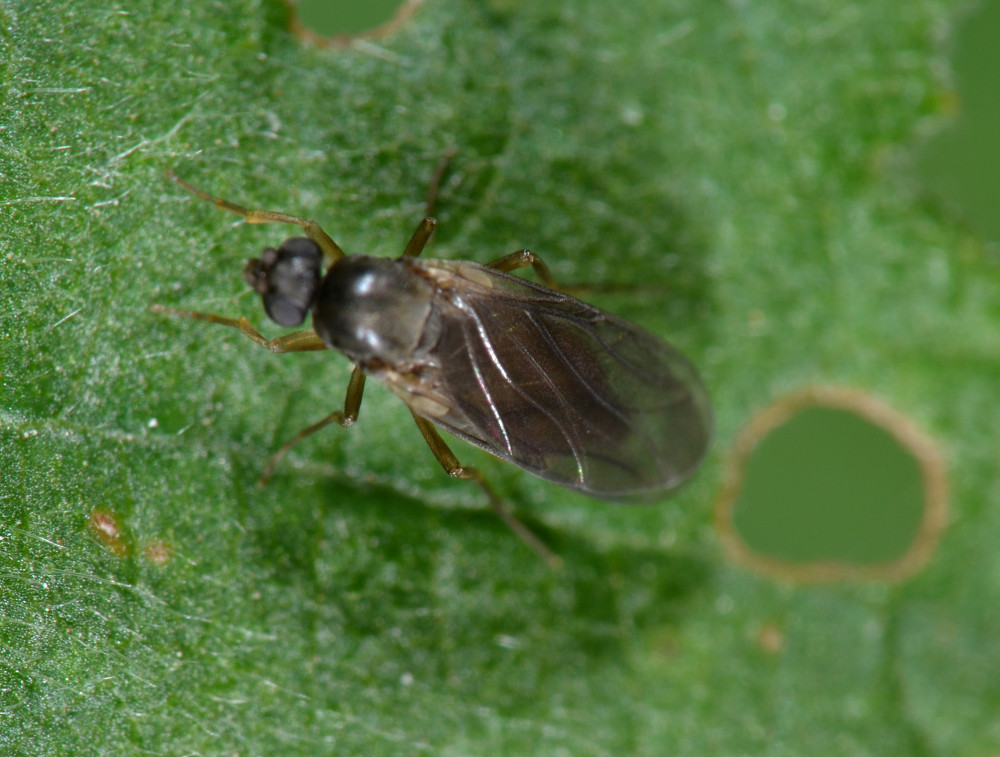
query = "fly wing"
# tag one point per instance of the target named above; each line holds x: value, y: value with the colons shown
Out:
x: 558, y: 387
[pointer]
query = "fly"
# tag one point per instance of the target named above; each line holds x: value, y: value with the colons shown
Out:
x: 538, y: 378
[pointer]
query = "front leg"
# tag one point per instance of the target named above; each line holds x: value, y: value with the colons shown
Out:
x: 300, y: 341
x: 331, y: 250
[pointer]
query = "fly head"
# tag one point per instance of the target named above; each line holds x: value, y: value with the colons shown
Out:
x: 287, y: 279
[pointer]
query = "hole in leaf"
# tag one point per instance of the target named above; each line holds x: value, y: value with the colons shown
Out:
x: 961, y: 163
x: 830, y: 484
x: 336, y: 22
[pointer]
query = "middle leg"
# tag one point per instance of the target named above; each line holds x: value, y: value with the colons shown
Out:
x: 523, y: 258
x: 346, y: 418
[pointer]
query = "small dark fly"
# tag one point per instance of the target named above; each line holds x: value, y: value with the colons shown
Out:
x: 533, y: 376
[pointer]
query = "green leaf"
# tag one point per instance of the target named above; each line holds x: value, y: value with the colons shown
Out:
x: 727, y: 175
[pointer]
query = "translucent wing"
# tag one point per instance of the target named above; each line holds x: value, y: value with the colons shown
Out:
x: 556, y: 386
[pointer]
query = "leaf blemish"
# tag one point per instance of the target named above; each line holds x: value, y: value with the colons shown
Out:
x: 310, y: 22
x: 158, y: 552
x: 830, y: 484
x: 107, y: 527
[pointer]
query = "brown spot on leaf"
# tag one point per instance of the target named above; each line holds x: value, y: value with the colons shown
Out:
x: 108, y: 529
x: 158, y: 552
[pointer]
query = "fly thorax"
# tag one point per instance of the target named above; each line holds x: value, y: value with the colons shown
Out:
x: 373, y: 309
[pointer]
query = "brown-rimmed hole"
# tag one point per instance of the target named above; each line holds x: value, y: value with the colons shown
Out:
x: 831, y: 483
x: 960, y: 164
x: 327, y: 23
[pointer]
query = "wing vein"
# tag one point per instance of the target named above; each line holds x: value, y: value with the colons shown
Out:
x: 481, y: 379
x: 487, y: 343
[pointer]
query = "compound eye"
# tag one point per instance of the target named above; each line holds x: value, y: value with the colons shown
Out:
x: 287, y: 279
x: 285, y: 312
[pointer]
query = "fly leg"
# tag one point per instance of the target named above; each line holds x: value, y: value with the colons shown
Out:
x: 331, y: 250
x: 345, y: 417
x: 523, y: 258
x: 420, y: 238
x: 300, y: 341
x: 442, y: 167
x: 455, y: 469
x: 426, y: 228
